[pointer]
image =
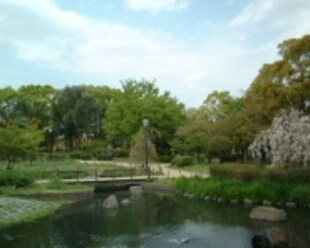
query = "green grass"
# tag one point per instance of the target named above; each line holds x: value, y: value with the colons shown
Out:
x: 257, y: 190
x: 64, y: 169
x: 54, y: 186
x: 251, y: 172
x: 16, y: 210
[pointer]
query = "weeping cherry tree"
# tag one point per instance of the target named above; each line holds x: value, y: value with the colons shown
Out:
x: 287, y: 142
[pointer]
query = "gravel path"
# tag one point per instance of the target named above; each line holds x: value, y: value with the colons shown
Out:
x: 166, y: 170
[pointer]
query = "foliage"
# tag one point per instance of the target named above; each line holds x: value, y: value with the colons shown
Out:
x: 251, y: 172
x: 217, y: 122
x: 19, y: 142
x: 15, y: 179
x: 282, y: 84
x: 287, y: 142
x: 16, y: 210
x: 219, y: 146
x: 140, y: 142
x: 76, y: 116
x: 99, y: 150
x: 184, y: 160
x: 80, y: 154
x: 256, y: 190
x: 192, y: 138
x: 142, y: 100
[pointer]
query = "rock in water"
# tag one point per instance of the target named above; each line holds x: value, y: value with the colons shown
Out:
x: 110, y: 202
x: 126, y: 202
x: 136, y: 190
x: 271, y: 238
x: 268, y: 213
x: 277, y: 237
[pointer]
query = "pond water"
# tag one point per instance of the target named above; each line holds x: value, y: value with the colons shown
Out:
x: 152, y: 220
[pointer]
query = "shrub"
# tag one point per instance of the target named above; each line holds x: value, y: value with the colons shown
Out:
x: 15, y: 178
x: 80, y: 155
x: 181, y: 161
x: 257, y: 190
x: 300, y: 194
x: 56, y: 184
x: 246, y: 172
x: 219, y: 146
x: 103, y: 156
x: 164, y: 158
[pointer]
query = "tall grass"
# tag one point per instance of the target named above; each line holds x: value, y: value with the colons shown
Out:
x: 250, y: 172
x: 257, y: 190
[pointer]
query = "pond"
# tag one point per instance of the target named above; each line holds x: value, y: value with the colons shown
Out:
x: 152, y: 220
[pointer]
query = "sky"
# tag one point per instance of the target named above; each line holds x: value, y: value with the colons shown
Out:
x: 189, y: 47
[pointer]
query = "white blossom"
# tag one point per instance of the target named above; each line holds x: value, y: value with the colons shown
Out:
x: 287, y: 142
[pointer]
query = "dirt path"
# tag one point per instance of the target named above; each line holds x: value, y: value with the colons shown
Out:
x: 166, y: 170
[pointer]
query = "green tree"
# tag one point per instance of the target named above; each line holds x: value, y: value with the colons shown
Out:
x: 219, y: 146
x: 76, y: 115
x: 282, y: 84
x: 138, y: 147
x: 19, y: 142
x: 140, y: 100
x: 192, y: 139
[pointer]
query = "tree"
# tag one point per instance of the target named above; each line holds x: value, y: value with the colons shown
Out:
x: 219, y: 146
x: 140, y: 100
x: 19, y: 142
x: 137, y: 149
x: 76, y: 115
x: 192, y: 138
x: 282, y: 84
x: 287, y: 142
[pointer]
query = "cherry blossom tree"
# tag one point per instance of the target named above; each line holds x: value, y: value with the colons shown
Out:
x: 287, y: 142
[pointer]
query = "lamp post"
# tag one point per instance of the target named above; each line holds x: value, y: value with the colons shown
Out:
x: 146, y: 123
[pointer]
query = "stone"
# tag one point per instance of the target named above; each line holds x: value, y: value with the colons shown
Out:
x: 248, y: 201
x: 110, y: 202
x: 271, y: 238
x: 290, y: 204
x: 268, y: 214
x: 233, y: 201
x: 277, y: 237
x: 136, y: 190
x: 267, y: 203
x: 126, y: 202
x: 207, y: 198
x: 220, y: 199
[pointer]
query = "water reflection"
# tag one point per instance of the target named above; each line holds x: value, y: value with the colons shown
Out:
x: 152, y: 221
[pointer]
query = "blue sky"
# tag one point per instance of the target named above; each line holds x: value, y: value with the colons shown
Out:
x: 190, y: 47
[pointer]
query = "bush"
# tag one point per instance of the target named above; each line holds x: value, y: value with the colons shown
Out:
x: 257, y: 190
x: 181, y: 161
x: 80, y: 155
x: 15, y: 178
x: 103, y: 156
x: 300, y: 194
x: 246, y: 172
x: 219, y: 146
x: 56, y: 184
x: 164, y: 158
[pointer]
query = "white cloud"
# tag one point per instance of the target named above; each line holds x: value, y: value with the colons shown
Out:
x: 45, y: 35
x: 156, y: 6
x: 276, y: 14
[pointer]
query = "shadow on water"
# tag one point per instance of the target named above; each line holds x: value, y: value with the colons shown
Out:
x: 152, y: 220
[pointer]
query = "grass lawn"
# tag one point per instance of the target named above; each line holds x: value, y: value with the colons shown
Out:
x: 54, y: 186
x: 69, y: 169
x: 16, y: 210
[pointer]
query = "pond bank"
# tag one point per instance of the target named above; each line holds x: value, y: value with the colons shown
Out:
x: 31, y: 207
